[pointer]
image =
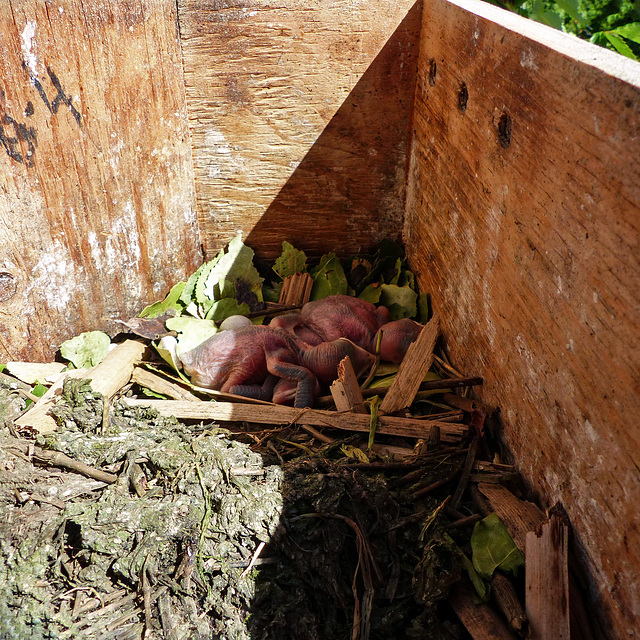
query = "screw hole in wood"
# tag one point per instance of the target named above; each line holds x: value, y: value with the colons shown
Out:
x: 433, y: 71
x: 504, y: 130
x: 463, y: 97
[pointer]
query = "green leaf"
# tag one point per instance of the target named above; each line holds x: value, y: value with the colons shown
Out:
x: 38, y: 390
x: 493, y: 548
x: 222, y: 309
x: 619, y: 45
x: 629, y: 31
x: 328, y: 278
x: 86, y: 350
x: 291, y: 261
x: 572, y: 8
x: 478, y: 583
x: 188, y: 293
x: 401, y: 301
x: 191, y: 332
x: 236, y: 263
x: 424, y: 312
x: 172, y: 301
x: 371, y: 293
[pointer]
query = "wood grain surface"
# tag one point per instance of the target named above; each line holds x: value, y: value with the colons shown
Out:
x: 300, y: 118
x: 97, y: 205
x: 522, y: 222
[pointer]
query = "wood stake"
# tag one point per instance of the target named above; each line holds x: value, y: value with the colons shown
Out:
x: 345, y: 389
x: 547, y: 581
x: 481, y: 620
x: 413, y: 369
x: 296, y: 289
x: 116, y: 369
x: 281, y: 415
x: 38, y: 417
x: 150, y: 380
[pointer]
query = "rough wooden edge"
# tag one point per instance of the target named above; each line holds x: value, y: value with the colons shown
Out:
x: 37, y: 417
x: 345, y: 390
x: 608, y: 61
x: 278, y: 414
x: 116, y: 369
x: 547, y: 582
x: 413, y: 369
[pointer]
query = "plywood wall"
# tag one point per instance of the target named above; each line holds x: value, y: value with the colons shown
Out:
x: 523, y: 222
x: 97, y: 198
x: 300, y: 119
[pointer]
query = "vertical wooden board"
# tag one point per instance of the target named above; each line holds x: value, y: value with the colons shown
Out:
x: 523, y: 210
x: 98, y: 200
x: 300, y: 118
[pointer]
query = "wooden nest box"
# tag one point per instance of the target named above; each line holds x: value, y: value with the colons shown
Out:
x: 139, y: 137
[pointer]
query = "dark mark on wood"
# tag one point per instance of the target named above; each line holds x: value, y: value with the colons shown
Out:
x: 504, y: 130
x: 463, y: 97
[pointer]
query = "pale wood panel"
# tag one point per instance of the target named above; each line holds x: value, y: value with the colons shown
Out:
x: 97, y: 212
x: 322, y: 88
x: 522, y: 221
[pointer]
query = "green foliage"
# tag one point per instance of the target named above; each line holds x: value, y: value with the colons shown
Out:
x: 86, y: 350
x: 291, y: 261
x: 493, y: 547
x: 614, y: 24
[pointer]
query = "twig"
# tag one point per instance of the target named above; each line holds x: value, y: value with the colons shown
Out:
x: 254, y: 558
x: 466, y: 472
x: 58, y: 459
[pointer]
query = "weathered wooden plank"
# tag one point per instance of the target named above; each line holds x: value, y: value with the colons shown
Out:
x: 300, y: 118
x: 547, y: 582
x: 278, y: 414
x: 522, y: 221
x: 98, y: 202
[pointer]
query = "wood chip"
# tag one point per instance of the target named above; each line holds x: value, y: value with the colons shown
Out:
x: 32, y: 372
x: 482, y: 621
x: 346, y: 390
x: 116, y: 369
x: 158, y: 384
x: 296, y: 289
x: 281, y: 415
x: 413, y: 369
x: 519, y: 516
x: 547, y: 581
x: 38, y: 417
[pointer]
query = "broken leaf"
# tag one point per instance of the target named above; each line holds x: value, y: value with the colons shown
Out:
x: 328, y: 278
x: 355, y: 453
x: 371, y: 293
x: 86, y: 350
x: 172, y: 301
x: 191, y: 332
x: 493, y: 547
x: 152, y: 328
x: 222, y: 309
x: 291, y: 261
x: 401, y: 301
x: 236, y: 263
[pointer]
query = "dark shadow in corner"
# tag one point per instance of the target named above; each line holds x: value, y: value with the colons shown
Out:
x: 348, y: 192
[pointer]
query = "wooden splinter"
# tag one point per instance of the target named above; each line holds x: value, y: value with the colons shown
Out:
x: 547, y: 581
x: 413, y: 369
x: 345, y: 389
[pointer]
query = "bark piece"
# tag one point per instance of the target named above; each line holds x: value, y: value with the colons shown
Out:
x: 296, y: 289
x: 481, y: 620
x: 547, y: 581
x: 278, y: 414
x: 156, y: 383
x: 116, y: 369
x: 413, y: 369
x: 346, y: 390
x: 32, y: 372
x: 38, y: 417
